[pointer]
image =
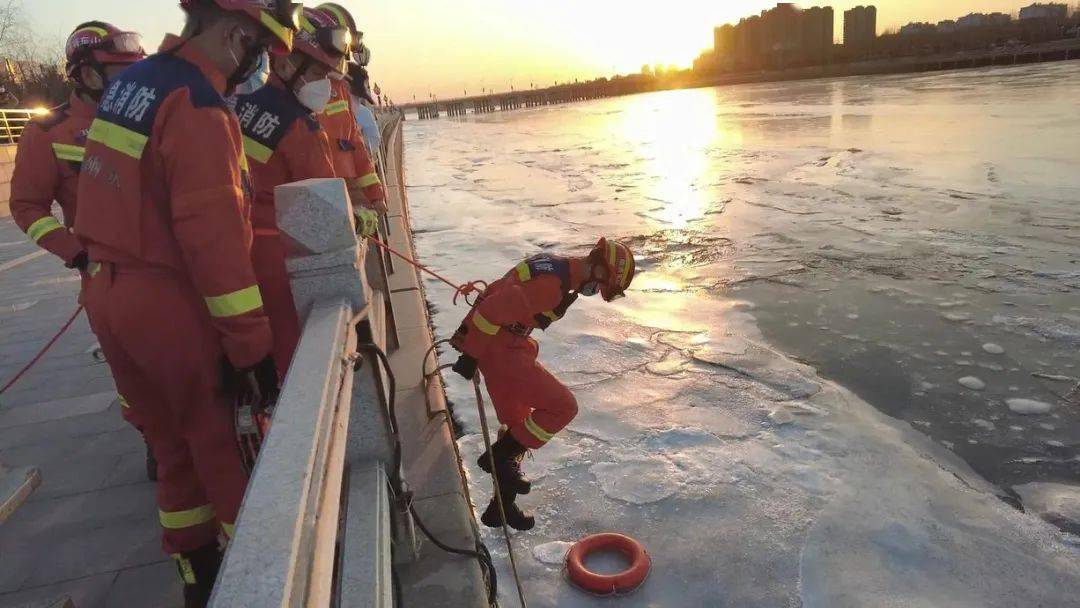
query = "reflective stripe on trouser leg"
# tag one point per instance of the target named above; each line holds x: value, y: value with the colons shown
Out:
x: 188, y: 518
x: 183, y: 564
x: 536, y: 431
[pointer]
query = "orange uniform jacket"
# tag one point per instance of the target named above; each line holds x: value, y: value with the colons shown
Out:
x: 536, y: 293
x: 165, y: 186
x: 284, y: 143
x: 46, y: 170
x: 351, y: 158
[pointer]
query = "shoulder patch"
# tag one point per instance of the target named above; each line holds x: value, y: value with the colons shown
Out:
x: 133, y: 99
x: 265, y: 118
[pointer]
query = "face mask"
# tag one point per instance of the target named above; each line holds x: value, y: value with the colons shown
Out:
x: 362, y: 55
x: 246, y: 65
x: 258, y: 77
x: 315, y: 95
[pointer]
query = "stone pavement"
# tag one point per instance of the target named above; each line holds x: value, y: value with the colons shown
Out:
x: 90, y: 531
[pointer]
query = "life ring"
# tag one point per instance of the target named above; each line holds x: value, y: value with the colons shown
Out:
x: 605, y: 584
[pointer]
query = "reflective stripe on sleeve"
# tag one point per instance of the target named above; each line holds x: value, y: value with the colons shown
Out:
x: 230, y: 529
x: 69, y: 152
x: 40, y: 228
x: 121, y: 139
x: 523, y: 272
x: 536, y: 431
x: 178, y: 520
x: 370, y: 179
x: 235, y: 303
x: 257, y: 151
x: 551, y: 315
x: 484, y: 325
x: 337, y: 107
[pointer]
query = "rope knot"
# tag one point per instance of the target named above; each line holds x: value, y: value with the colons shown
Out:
x: 468, y: 289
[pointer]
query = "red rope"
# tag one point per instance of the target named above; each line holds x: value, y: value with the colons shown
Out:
x: 464, y: 290
x: 41, y: 353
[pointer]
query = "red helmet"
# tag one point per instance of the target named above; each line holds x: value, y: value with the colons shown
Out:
x: 345, y: 19
x: 280, y: 17
x: 620, y: 265
x: 103, y: 44
x: 321, y: 38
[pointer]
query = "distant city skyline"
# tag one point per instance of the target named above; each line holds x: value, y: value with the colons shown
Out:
x: 432, y: 46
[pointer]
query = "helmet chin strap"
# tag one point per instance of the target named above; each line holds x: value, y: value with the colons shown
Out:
x: 290, y: 84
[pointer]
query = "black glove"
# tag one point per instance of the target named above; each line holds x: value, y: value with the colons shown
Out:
x: 465, y: 367
x: 256, y: 385
x: 80, y: 261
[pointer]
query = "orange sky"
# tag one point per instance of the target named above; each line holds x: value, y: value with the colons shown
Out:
x: 447, y: 47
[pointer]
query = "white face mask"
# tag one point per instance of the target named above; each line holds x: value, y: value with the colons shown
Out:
x: 315, y: 95
x: 258, y: 78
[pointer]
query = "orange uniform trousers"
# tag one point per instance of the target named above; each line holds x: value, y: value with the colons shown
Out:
x: 268, y: 260
x: 166, y: 360
x: 528, y: 399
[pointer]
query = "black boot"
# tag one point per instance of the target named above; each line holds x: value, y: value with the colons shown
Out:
x: 199, y: 569
x: 508, y: 454
x: 151, y: 464
x: 515, y: 517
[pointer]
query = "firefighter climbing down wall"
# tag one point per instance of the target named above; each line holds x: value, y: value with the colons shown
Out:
x: 532, y: 405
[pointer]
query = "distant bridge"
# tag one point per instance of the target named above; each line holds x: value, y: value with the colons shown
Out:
x: 513, y: 100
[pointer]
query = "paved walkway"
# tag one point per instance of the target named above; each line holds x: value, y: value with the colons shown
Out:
x: 90, y: 531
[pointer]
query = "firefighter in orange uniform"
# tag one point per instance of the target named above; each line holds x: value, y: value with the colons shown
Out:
x: 165, y: 204
x: 285, y: 143
x: 352, y: 160
x: 51, y: 148
x: 532, y: 405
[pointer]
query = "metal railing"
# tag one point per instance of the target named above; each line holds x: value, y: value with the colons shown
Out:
x: 13, y: 123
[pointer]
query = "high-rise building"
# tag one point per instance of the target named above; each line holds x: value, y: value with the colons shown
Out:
x: 1044, y: 11
x: 724, y: 40
x: 860, y: 30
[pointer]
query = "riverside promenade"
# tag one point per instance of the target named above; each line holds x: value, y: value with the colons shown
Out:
x: 90, y: 530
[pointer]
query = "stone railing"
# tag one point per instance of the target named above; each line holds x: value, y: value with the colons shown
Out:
x: 318, y: 519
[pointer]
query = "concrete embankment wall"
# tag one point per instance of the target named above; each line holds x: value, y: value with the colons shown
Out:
x: 7, y: 167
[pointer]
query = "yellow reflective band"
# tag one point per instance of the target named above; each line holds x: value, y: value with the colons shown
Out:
x: 230, y: 529
x: 336, y: 108
x: 121, y: 139
x: 235, y: 303
x: 123, y: 401
x: 257, y: 151
x: 613, y: 254
x: 93, y: 269
x: 71, y: 153
x: 524, y: 274
x: 186, y: 571
x: 244, y: 163
x: 551, y: 315
x: 337, y: 14
x: 370, y: 179
x: 40, y: 228
x: 97, y: 30
x: 283, y: 33
x: 537, y: 432
x: 178, y: 520
x: 484, y: 325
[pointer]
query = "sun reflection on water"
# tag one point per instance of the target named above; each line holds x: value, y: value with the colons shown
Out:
x: 674, y: 133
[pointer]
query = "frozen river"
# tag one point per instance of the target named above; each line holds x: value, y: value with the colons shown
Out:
x: 855, y: 330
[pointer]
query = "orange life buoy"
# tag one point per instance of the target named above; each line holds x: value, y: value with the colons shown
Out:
x: 605, y: 584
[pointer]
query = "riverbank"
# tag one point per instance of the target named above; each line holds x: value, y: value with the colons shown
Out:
x: 1063, y: 50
